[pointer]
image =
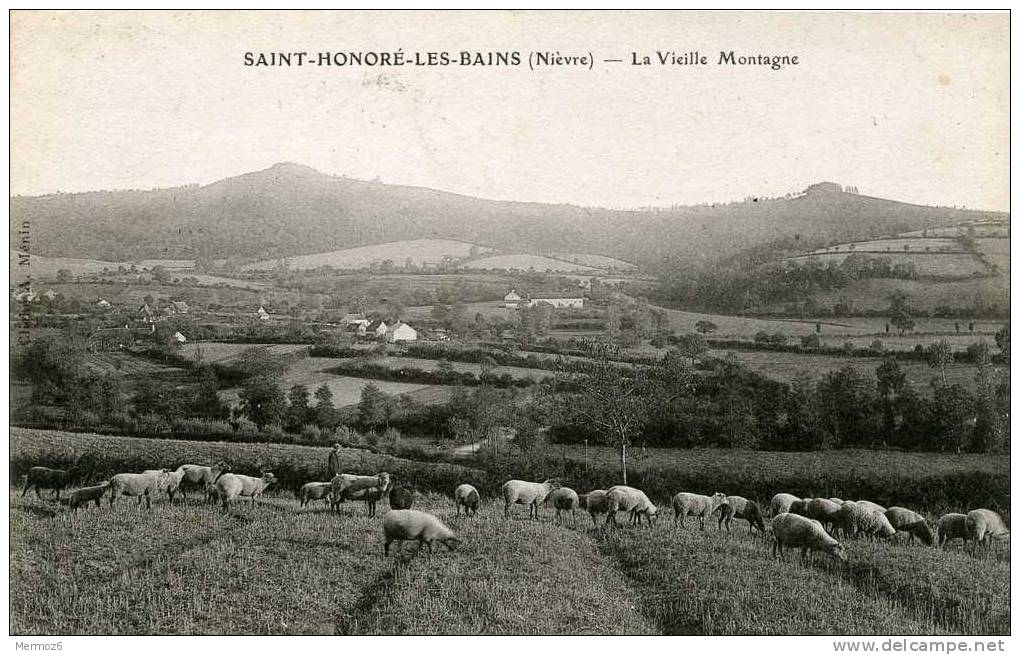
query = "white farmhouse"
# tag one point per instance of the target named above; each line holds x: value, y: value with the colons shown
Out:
x: 512, y: 300
x: 402, y: 332
x: 559, y: 301
x: 262, y: 314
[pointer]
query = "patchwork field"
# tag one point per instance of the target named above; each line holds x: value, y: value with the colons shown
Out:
x: 895, y: 246
x: 419, y: 251
x: 595, y: 261
x: 871, y: 295
x: 212, y: 351
x: 525, y: 262
x: 516, y: 372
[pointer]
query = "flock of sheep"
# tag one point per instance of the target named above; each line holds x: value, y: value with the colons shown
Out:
x: 810, y: 524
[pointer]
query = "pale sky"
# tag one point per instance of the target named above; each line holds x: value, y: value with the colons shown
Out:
x: 912, y: 107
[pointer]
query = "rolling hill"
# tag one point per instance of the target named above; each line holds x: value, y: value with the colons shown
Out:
x: 292, y: 210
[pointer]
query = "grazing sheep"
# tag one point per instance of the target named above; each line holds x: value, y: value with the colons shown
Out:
x: 85, y: 495
x: 824, y: 511
x: 799, y: 506
x: 401, y: 498
x: 781, y: 503
x: 984, y: 525
x: 687, y: 504
x: 741, y: 508
x: 401, y: 524
x: 173, y: 483
x: 629, y: 499
x: 594, y: 502
x: 526, y: 493
x: 310, y: 491
x: 912, y: 523
x: 203, y: 477
x: 370, y: 493
x: 952, y: 526
x: 41, y: 477
x: 467, y: 496
x: 564, y: 500
x: 801, y: 532
x: 870, y: 506
x: 856, y: 518
x: 231, y: 485
x: 346, y: 486
x: 145, y: 485
x: 838, y: 501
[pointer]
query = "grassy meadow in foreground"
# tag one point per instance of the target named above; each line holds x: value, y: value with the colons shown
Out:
x: 275, y: 569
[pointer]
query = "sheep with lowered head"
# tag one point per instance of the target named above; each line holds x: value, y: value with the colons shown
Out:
x: 799, y: 506
x: 564, y: 500
x: 688, y: 504
x: 856, y: 518
x: 801, y: 532
x: 86, y: 495
x: 952, y: 526
x: 910, y: 522
x: 984, y: 525
x: 142, y: 485
x: 230, y: 486
x: 310, y: 491
x: 42, y: 477
x: 741, y: 508
x: 467, y: 497
x: 521, y: 492
x: 869, y: 506
x: 628, y: 499
x: 594, y: 502
x: 202, y: 477
x: 822, y: 510
x: 781, y: 503
x: 407, y: 524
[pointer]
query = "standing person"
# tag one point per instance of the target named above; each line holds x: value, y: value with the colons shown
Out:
x: 334, y: 461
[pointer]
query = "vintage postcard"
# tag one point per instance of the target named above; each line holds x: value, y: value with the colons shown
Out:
x: 510, y: 323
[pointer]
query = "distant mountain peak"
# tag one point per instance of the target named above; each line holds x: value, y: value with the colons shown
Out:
x: 292, y: 167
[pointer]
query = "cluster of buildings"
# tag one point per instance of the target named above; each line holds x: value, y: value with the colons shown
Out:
x: 515, y: 300
x: 393, y: 332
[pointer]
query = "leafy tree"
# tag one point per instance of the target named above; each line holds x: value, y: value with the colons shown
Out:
x: 325, y: 412
x: 902, y: 321
x: 206, y: 401
x: 263, y: 402
x: 298, y: 411
x: 846, y: 399
x: 979, y: 353
x: 376, y: 408
x: 63, y: 275
x: 940, y: 356
x: 691, y: 346
x: 706, y: 327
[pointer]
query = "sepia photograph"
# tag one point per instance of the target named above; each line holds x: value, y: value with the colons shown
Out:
x: 516, y: 322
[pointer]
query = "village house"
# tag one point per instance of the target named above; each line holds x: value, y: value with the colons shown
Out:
x: 179, y: 339
x: 146, y: 314
x: 178, y: 307
x: 401, y: 332
x: 512, y: 300
x: 103, y: 304
x: 50, y: 295
x: 379, y: 329
x: 262, y: 314
x: 355, y: 320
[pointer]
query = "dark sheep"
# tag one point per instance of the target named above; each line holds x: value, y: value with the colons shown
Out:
x: 41, y: 477
x: 401, y: 498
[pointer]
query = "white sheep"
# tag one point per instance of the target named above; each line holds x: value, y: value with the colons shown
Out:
x: 370, y: 494
x: 838, y: 501
x: 741, y: 508
x: 402, y: 524
x: 688, y: 504
x: 231, y: 485
x: 781, y: 503
x: 85, y: 495
x: 910, y: 522
x: 855, y: 518
x: 564, y: 500
x: 952, y: 526
x: 799, y: 506
x: 801, y: 532
x: 629, y: 499
x: 823, y: 510
x: 145, y: 485
x: 594, y: 502
x: 870, y: 506
x: 344, y: 486
x: 521, y: 492
x: 203, y: 477
x: 467, y: 496
x: 984, y: 525
x: 314, y: 491
x: 173, y: 483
